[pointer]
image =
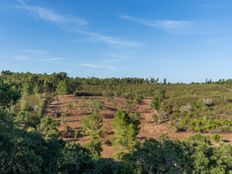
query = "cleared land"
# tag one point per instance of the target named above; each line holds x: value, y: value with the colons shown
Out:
x: 70, y: 110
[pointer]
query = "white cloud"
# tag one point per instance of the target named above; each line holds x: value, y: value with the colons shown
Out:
x: 34, y: 52
x: 49, y: 15
x: 30, y: 55
x: 90, y: 65
x: 107, y: 39
x: 160, y: 24
x: 168, y: 24
x: 42, y: 56
x: 74, y: 24
x: 52, y: 16
x: 95, y: 66
x: 115, y: 58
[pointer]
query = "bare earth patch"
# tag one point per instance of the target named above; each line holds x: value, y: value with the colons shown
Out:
x: 70, y: 110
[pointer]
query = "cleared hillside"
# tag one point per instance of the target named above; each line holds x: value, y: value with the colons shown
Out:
x: 70, y: 110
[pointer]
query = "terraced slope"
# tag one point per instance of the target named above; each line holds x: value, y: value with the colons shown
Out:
x: 70, y: 110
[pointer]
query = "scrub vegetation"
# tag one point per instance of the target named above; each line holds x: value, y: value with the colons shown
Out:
x: 62, y: 125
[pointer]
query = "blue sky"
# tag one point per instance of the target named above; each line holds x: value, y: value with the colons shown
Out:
x: 181, y: 40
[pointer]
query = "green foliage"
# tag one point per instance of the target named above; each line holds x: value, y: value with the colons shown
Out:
x: 8, y: 95
x: 155, y: 104
x: 95, y: 147
x: 157, y: 99
x: 27, y: 88
x: 62, y: 87
x: 126, y: 127
x: 155, y: 118
x: 197, y: 139
x: 195, y: 155
x: 27, y: 146
x: 217, y: 138
x: 75, y: 159
x: 105, y: 166
x: 161, y: 157
x: 97, y: 106
x: 25, y: 120
x: 48, y: 128
x: 92, y: 127
x: 174, y: 100
x: 208, y: 159
x: 25, y: 152
x: 71, y: 105
x: 191, y: 121
x: 35, y: 104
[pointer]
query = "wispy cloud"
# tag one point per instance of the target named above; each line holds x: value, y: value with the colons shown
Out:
x: 52, y: 16
x: 34, y: 52
x: 31, y: 55
x: 97, y: 66
x: 167, y: 25
x: 115, y: 58
x: 183, y: 27
x: 75, y: 24
x: 89, y: 65
x: 42, y: 56
x: 107, y: 39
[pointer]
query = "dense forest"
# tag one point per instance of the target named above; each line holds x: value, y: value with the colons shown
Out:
x: 30, y: 141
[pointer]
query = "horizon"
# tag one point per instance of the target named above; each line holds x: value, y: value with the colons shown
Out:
x: 160, y: 80
x: 183, y: 41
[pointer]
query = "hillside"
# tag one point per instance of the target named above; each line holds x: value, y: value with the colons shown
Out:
x: 59, y: 124
x: 73, y: 109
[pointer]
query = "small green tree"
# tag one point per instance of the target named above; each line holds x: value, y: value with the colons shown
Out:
x: 155, y: 119
x: 27, y: 88
x: 48, y: 128
x: 92, y: 127
x: 26, y: 120
x: 74, y: 159
x: 97, y: 106
x: 155, y: 104
x: 62, y: 87
x: 126, y: 127
x: 157, y: 99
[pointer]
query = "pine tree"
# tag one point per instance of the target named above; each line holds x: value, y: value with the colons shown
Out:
x: 62, y: 87
x: 92, y: 127
x: 126, y: 128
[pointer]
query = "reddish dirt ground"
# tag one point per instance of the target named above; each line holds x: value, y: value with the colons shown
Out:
x: 75, y: 109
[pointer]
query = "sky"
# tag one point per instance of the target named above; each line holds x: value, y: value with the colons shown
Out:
x: 180, y: 40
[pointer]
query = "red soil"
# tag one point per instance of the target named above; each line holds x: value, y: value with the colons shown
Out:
x: 77, y: 108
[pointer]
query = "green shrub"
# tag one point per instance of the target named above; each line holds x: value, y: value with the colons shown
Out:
x: 97, y: 106
x: 48, y: 128
x: 155, y: 118
x: 217, y: 138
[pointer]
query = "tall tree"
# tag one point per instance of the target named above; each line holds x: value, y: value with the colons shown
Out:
x: 92, y: 127
x: 126, y: 127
